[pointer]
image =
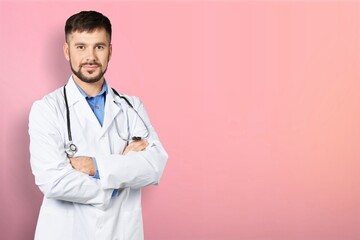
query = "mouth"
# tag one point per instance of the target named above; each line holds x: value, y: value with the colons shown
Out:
x: 90, y: 67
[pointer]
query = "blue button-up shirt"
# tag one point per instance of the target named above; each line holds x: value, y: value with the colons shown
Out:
x: 97, y: 103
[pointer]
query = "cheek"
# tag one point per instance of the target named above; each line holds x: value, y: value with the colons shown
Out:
x: 75, y: 57
x: 106, y: 59
x: 74, y: 61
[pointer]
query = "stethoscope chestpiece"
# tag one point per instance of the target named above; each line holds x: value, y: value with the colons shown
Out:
x: 70, y: 149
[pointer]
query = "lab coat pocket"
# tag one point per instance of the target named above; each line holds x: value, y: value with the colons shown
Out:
x: 54, y: 223
x: 134, y: 225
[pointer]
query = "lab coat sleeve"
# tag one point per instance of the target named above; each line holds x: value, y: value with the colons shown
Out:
x: 53, y: 173
x: 135, y: 169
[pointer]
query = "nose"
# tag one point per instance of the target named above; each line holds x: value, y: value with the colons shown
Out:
x: 91, y: 56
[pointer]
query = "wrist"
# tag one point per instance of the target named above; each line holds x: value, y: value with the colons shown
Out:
x: 95, y: 172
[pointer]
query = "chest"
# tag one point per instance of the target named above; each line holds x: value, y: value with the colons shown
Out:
x: 92, y: 138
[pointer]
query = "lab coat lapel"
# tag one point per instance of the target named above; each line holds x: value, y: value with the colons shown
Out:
x: 112, y: 109
x: 80, y: 110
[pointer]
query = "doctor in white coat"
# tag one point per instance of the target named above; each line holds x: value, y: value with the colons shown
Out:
x: 95, y: 192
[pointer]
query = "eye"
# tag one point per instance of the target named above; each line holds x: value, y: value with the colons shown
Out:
x: 99, y: 47
x: 80, y: 47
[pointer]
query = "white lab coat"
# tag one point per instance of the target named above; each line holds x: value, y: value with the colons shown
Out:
x: 77, y: 206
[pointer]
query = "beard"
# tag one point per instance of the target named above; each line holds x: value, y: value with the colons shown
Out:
x: 83, y: 78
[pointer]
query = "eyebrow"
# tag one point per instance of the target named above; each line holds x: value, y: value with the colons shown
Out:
x: 96, y: 44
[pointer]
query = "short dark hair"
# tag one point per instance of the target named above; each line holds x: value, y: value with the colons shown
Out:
x: 87, y: 21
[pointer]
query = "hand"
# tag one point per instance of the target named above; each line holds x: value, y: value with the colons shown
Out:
x: 83, y: 164
x: 136, y: 146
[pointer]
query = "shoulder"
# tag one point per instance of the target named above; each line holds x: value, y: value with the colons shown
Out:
x: 134, y: 100
x: 51, y: 104
x: 129, y: 99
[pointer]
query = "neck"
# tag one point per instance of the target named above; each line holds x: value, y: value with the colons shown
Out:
x: 91, y: 89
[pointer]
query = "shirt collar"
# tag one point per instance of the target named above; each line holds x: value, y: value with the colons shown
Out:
x: 103, y: 90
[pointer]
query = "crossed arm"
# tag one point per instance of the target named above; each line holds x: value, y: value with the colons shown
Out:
x: 86, y: 164
x: 57, y: 179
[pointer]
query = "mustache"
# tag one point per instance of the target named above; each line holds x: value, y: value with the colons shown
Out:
x: 91, y: 63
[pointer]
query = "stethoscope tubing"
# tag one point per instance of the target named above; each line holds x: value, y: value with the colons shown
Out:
x: 68, y: 123
x: 67, y: 116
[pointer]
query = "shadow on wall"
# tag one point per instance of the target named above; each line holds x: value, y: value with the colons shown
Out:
x: 56, y: 66
x: 28, y: 197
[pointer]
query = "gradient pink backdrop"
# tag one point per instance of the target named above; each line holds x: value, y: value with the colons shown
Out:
x: 257, y: 104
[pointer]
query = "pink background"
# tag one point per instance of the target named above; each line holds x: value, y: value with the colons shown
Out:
x: 257, y: 104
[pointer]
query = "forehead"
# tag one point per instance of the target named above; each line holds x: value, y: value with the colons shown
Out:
x: 97, y: 35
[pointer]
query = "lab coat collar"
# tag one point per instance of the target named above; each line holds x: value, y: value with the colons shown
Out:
x: 72, y: 92
x: 112, y: 106
x: 75, y: 93
x: 103, y: 90
x: 80, y: 108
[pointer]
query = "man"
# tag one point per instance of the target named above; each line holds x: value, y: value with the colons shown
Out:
x: 92, y: 149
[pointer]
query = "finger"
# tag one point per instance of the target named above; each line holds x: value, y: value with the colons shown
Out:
x: 75, y: 164
x: 128, y: 149
x: 139, y: 146
x: 143, y: 146
x: 136, y: 146
x: 72, y: 161
x: 142, y: 143
x: 139, y: 142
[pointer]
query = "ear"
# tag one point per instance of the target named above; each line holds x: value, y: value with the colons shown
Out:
x: 66, y: 51
x: 110, y: 51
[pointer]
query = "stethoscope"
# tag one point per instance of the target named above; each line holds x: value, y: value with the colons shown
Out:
x: 71, y: 148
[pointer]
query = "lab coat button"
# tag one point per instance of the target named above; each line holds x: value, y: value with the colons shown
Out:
x: 99, y: 223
